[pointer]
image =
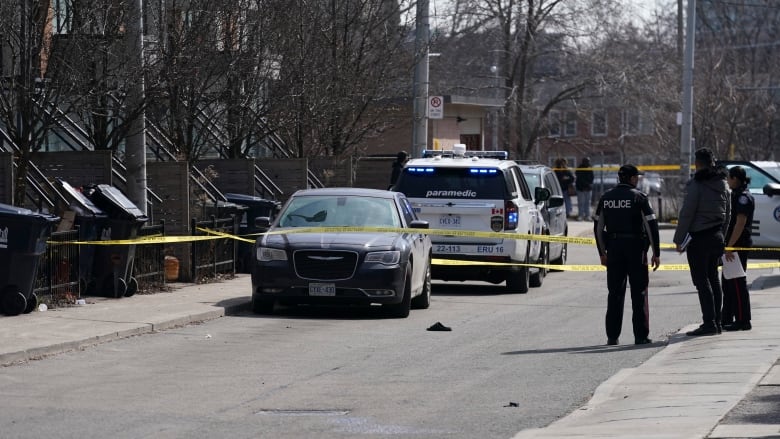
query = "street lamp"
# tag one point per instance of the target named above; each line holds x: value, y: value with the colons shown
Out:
x: 494, y: 71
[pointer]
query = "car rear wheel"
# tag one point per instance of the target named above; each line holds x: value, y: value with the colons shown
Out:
x: 401, y: 310
x: 517, y: 280
x: 544, y: 258
x: 423, y: 301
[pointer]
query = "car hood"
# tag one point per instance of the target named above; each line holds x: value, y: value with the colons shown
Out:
x: 329, y: 240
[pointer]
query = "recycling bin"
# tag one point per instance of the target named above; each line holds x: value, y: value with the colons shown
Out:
x: 91, y: 222
x: 256, y: 207
x: 112, y: 273
x: 23, y: 235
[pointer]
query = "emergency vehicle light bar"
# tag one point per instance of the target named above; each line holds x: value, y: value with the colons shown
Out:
x: 500, y: 155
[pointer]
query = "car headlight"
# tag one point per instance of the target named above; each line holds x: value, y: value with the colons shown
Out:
x: 266, y: 254
x: 387, y: 258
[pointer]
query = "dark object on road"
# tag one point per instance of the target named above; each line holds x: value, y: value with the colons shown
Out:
x: 23, y: 236
x: 439, y: 327
x: 512, y: 404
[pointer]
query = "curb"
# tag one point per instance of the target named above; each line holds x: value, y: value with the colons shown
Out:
x: 233, y: 307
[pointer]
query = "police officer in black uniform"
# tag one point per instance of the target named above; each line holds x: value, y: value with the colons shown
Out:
x: 625, y: 227
x: 736, y: 297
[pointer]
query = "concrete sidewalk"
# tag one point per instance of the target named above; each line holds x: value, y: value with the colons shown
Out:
x: 687, y: 388
x: 30, y: 336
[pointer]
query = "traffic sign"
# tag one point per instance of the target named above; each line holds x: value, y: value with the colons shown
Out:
x: 435, y: 107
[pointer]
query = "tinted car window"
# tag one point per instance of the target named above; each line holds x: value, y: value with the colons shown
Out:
x: 552, y: 184
x: 474, y: 183
x: 408, y: 211
x: 522, y: 183
x: 337, y: 211
x: 532, y: 180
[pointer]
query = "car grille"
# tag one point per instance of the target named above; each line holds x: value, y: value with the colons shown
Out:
x: 325, y: 264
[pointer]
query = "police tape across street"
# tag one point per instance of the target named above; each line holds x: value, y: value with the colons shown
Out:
x: 213, y: 234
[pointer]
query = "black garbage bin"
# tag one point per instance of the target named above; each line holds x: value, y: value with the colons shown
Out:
x: 23, y: 235
x: 256, y: 207
x: 91, y: 222
x: 113, y: 269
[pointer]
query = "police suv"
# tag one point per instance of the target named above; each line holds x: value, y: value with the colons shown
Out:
x: 480, y: 191
x: 765, y: 188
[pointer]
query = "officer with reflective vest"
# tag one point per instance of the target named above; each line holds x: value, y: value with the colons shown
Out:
x: 625, y: 227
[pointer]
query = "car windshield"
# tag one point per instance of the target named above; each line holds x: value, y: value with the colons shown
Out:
x: 441, y: 182
x: 533, y: 180
x: 339, y: 211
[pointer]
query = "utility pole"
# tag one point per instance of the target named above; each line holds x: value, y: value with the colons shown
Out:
x: 687, y: 95
x: 135, y: 143
x: 420, y: 86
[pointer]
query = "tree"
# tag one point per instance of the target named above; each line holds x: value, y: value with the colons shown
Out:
x: 338, y: 61
x: 24, y: 83
x: 535, y: 42
x: 736, y: 94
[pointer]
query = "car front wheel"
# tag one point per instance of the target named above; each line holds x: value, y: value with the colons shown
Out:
x: 401, y: 310
x: 423, y: 301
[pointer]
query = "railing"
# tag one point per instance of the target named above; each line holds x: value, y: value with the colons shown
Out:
x: 57, y: 280
x: 216, y: 256
x: 149, y: 264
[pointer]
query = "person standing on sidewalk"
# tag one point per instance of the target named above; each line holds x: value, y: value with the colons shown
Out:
x: 736, y: 298
x: 584, y: 184
x: 566, y: 180
x: 398, y: 165
x: 704, y: 216
x: 625, y: 228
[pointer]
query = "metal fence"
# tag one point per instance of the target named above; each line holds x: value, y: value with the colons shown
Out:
x: 217, y: 256
x: 149, y: 264
x: 57, y: 279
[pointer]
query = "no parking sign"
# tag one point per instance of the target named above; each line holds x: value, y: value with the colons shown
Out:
x: 435, y: 107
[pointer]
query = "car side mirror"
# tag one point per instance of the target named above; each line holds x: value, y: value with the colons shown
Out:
x: 419, y: 224
x: 263, y: 223
x: 772, y: 189
x: 541, y: 194
x: 555, y: 201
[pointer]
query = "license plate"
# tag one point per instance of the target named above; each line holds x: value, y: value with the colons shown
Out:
x: 449, y: 221
x: 320, y: 289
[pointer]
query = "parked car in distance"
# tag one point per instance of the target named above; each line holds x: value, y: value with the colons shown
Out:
x: 335, y: 267
x: 604, y: 178
x: 651, y: 183
x: 553, y: 211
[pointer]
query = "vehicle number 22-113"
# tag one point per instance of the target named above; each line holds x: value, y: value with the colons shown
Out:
x: 453, y: 248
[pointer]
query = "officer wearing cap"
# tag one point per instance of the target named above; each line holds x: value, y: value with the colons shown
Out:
x: 625, y: 227
x: 704, y: 216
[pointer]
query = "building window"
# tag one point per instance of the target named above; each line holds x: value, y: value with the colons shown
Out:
x: 636, y: 122
x: 554, y: 123
x: 598, y: 125
x: 570, y: 126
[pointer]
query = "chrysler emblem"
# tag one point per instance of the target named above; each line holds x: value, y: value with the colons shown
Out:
x: 326, y: 258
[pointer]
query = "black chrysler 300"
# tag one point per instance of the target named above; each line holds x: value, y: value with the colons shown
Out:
x: 358, y: 266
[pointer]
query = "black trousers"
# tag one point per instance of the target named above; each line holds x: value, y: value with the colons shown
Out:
x: 703, y: 253
x: 736, y: 298
x: 627, y: 258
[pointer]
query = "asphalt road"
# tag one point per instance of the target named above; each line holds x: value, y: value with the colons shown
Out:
x: 510, y: 362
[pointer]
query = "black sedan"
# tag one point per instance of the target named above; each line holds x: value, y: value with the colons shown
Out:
x: 335, y: 267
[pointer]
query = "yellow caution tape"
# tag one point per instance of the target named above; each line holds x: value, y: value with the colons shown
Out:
x: 213, y: 234
x: 662, y: 267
